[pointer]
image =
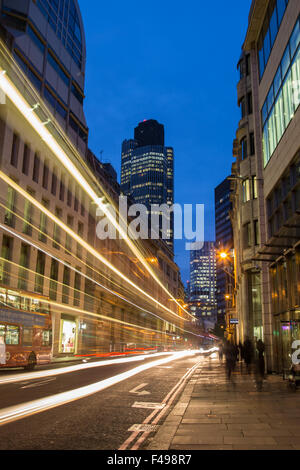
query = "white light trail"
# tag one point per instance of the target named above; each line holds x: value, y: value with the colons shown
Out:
x: 28, y: 112
x: 24, y: 410
x: 77, y: 367
x: 82, y: 242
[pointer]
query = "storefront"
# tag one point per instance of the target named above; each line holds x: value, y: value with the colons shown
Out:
x: 285, y: 281
x: 68, y: 334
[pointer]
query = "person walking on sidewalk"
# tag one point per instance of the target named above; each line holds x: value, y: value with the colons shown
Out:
x: 230, y: 355
x: 248, y: 352
x: 260, y: 364
x: 221, y: 352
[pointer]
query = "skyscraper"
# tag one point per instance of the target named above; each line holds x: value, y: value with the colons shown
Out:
x: 147, y: 171
x: 203, y: 282
x: 224, y: 243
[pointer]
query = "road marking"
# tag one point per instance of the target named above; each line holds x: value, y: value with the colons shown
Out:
x: 16, y: 412
x: 135, y: 390
x: 143, y: 428
x: 152, y: 406
x: 39, y: 384
x: 166, y: 367
x: 156, y: 415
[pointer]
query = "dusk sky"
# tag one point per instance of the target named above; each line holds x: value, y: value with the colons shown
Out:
x: 174, y: 62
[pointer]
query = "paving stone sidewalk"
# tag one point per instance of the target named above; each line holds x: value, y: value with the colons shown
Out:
x: 214, y: 414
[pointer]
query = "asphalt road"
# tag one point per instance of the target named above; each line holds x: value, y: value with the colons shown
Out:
x: 100, y: 421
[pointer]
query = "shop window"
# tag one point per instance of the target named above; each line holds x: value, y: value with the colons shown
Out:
x: 68, y: 336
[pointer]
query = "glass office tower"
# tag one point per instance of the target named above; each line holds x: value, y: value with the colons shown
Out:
x: 147, y: 172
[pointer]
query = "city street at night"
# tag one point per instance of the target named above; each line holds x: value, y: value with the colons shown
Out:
x: 149, y: 230
x: 102, y: 420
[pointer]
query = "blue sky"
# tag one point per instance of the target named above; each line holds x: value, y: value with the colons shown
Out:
x: 175, y: 62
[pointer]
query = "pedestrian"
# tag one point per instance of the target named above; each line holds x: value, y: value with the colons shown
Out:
x: 221, y: 352
x: 230, y: 355
x: 260, y: 364
x: 248, y: 352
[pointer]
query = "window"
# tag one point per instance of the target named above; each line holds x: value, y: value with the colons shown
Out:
x: 54, y: 181
x: 78, y: 94
x: 80, y: 234
x: 77, y: 286
x: 26, y: 160
x: 62, y: 188
x: 284, y: 96
x: 27, y: 336
x: 35, y: 39
x: 46, y: 174
x: 252, y: 143
x: 12, y: 335
x: 254, y: 187
x: 256, y: 233
x: 246, y: 190
x: 40, y: 270
x: 43, y: 223
x: 24, y: 264
x: 46, y: 337
x: 57, y: 230
x: 9, y: 217
x: 53, y: 279
x: 243, y: 107
x: 6, y: 254
x: 269, y: 31
x: 244, y: 148
x: 248, y: 65
x: 69, y: 194
x: 53, y: 62
x: 249, y: 103
x: 247, y: 235
x: 36, y: 168
x: 70, y: 222
x: 15, y: 151
x: 66, y: 284
x: 28, y: 212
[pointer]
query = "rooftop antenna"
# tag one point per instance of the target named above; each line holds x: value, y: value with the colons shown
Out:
x: 101, y: 155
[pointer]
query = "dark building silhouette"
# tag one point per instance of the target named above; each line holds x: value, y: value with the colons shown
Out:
x: 224, y: 242
x: 149, y: 132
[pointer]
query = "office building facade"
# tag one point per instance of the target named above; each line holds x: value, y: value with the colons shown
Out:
x: 266, y: 200
x: 147, y: 175
x: 52, y: 261
x: 224, y: 244
x: 203, y: 283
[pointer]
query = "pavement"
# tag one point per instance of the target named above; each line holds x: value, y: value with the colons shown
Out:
x: 213, y: 413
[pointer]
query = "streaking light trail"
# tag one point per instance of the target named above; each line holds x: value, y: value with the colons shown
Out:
x: 29, y: 113
x: 24, y: 410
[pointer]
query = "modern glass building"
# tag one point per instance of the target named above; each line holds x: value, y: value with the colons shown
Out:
x: 267, y: 181
x: 147, y: 173
x: 203, y: 282
x: 224, y: 243
x: 49, y: 46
